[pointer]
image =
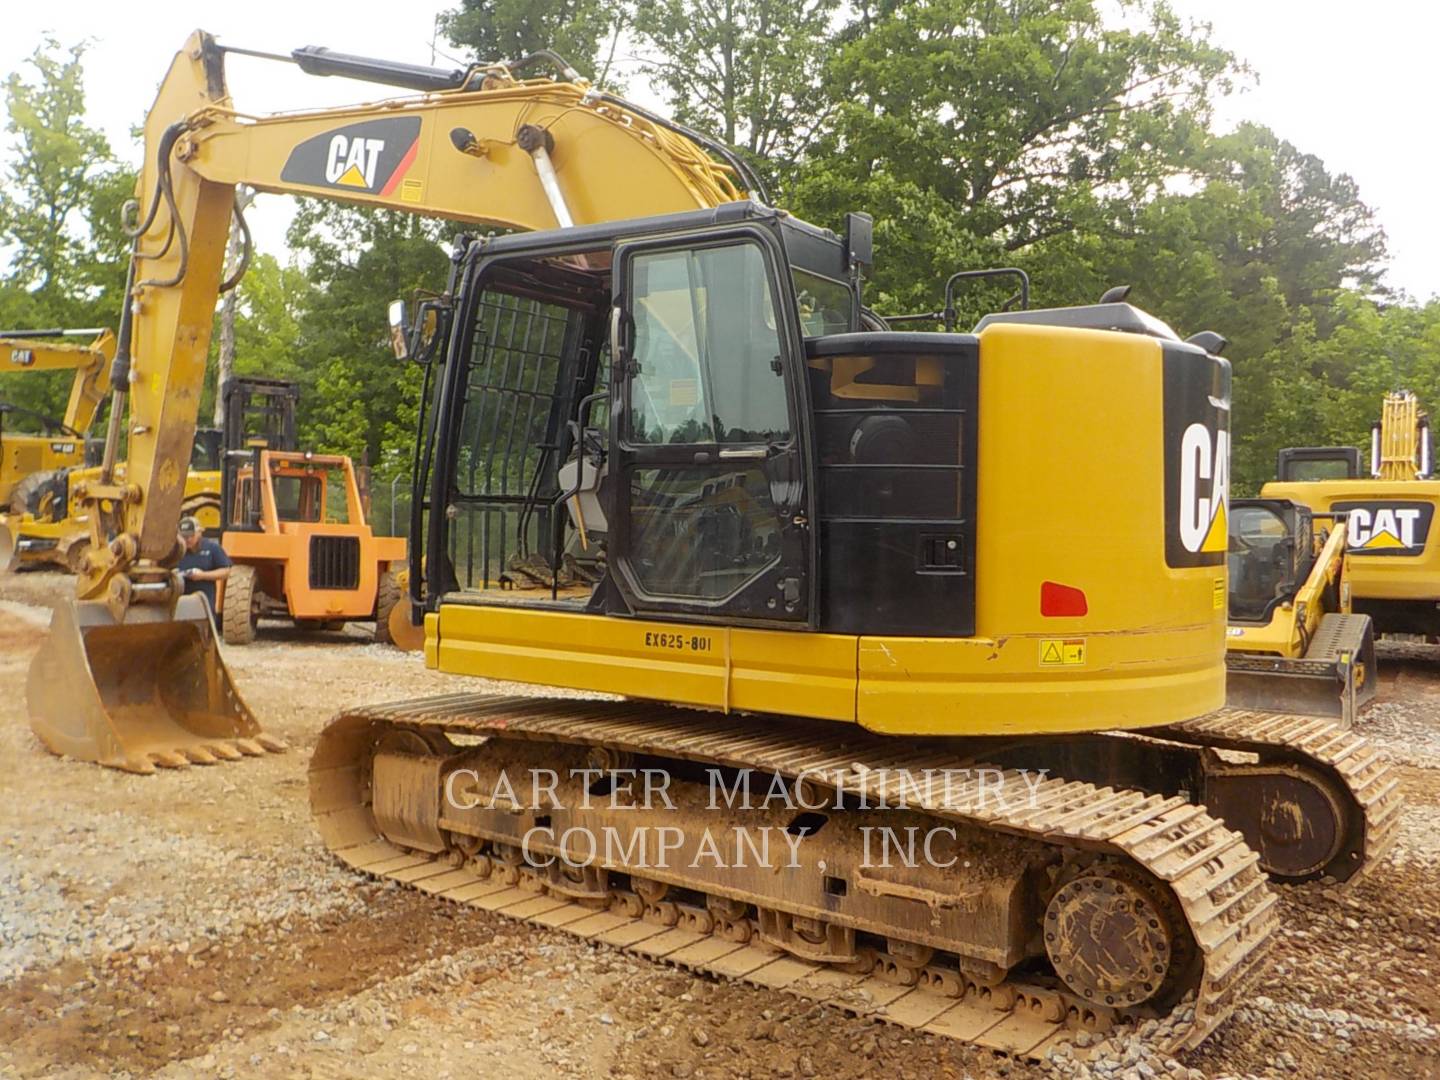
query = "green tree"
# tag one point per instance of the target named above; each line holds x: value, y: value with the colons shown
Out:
x: 746, y: 71
x: 271, y: 301
x: 976, y: 129
x: 1273, y: 252
x: 583, y: 32
x: 356, y: 397
x: 58, y: 161
x: 62, y: 255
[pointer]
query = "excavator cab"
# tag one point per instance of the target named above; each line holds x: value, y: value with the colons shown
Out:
x: 1307, y: 463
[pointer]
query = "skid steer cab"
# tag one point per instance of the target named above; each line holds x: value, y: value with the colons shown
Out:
x: 302, y: 548
x: 1293, y: 642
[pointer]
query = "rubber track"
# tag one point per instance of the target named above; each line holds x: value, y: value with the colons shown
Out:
x: 1215, y: 878
x: 1351, y: 758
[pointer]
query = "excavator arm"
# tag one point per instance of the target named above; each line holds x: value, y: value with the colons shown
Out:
x: 131, y: 675
x: 45, y: 350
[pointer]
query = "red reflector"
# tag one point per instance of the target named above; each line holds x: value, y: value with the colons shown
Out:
x: 1060, y: 600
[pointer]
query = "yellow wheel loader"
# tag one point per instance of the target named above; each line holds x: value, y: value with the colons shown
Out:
x: 1392, y: 559
x: 28, y: 461
x: 668, y: 454
x: 48, y: 528
x: 1294, y: 644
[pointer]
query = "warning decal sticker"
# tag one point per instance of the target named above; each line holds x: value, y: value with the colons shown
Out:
x: 1062, y: 652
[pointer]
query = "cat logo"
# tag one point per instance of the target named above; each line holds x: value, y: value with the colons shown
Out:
x: 1204, y: 489
x: 23, y: 357
x: 1386, y: 528
x: 352, y: 161
x: 1197, y: 458
x: 370, y: 157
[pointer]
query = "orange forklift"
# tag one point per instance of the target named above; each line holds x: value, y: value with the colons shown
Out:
x: 295, y: 526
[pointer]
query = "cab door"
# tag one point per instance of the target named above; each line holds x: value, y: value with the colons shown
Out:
x: 712, y: 499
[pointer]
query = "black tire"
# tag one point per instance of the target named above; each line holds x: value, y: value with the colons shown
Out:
x: 387, y: 595
x: 26, y: 496
x: 238, y: 617
x: 204, y: 507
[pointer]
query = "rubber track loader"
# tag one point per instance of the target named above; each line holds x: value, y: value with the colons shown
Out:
x: 883, y: 574
x: 1293, y: 642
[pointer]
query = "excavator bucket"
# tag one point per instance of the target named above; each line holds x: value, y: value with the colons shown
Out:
x: 150, y: 691
x: 1335, y: 677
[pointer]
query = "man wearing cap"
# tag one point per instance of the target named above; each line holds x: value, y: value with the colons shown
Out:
x: 203, y: 563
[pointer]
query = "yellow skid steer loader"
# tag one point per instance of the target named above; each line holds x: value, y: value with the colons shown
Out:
x: 1293, y: 643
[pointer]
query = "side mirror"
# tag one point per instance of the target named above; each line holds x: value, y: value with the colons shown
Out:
x: 400, y: 329
x: 417, y: 337
x: 860, y: 239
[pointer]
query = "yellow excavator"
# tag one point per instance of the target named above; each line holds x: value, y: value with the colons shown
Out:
x: 61, y: 443
x: 853, y: 586
x: 1393, y: 564
x: 1294, y: 643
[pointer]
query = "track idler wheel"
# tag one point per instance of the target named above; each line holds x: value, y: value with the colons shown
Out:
x: 1292, y: 817
x: 1109, y: 935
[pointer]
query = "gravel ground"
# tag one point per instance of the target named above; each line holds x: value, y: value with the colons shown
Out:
x: 190, y: 924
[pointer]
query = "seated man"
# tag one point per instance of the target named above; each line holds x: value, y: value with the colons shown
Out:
x: 203, y: 563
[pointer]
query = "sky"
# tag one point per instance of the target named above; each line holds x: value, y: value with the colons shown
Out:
x: 1351, y: 83
x: 1348, y: 82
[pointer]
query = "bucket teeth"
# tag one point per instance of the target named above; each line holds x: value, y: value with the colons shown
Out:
x: 148, y: 689
x: 271, y: 743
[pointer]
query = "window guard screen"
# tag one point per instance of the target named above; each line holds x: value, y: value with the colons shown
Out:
x: 506, y: 462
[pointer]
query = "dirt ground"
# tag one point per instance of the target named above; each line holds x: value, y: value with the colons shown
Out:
x: 190, y: 924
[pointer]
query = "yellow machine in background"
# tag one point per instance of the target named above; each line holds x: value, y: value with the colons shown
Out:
x: 786, y: 532
x: 1393, y: 560
x: 1293, y: 642
x: 51, y: 529
x: 63, y: 442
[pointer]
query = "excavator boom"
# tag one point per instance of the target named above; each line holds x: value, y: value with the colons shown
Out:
x: 496, y: 151
x: 46, y: 350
